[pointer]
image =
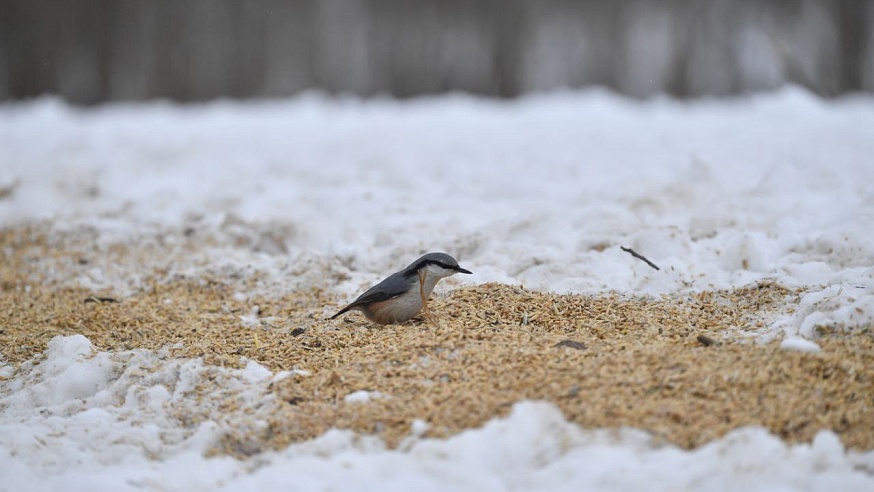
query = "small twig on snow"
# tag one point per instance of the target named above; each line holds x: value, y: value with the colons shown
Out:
x: 100, y: 299
x: 639, y: 256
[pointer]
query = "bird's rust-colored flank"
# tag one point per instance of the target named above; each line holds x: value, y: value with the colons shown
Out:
x: 674, y: 366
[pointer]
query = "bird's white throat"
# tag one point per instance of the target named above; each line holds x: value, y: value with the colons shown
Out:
x: 433, y: 273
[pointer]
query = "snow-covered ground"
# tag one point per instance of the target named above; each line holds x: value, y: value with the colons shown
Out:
x: 540, y: 191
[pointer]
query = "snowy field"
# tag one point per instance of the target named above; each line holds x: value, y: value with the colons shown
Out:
x: 540, y: 192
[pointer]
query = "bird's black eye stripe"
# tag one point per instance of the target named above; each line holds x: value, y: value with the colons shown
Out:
x: 440, y: 264
x: 422, y: 264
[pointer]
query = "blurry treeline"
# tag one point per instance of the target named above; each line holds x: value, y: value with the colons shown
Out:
x: 95, y: 50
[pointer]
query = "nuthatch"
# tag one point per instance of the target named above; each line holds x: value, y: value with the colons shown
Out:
x: 403, y: 294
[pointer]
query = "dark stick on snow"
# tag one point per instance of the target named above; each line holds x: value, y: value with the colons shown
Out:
x: 639, y: 256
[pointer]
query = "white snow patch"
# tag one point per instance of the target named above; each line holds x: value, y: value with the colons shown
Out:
x: 419, y: 427
x: 799, y: 344
x: 363, y: 396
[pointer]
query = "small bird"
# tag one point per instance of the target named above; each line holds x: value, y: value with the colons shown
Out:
x: 403, y: 294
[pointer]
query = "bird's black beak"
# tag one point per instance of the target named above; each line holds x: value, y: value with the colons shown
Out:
x: 462, y: 270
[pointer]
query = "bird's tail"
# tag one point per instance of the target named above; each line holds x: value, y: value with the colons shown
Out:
x: 345, y: 309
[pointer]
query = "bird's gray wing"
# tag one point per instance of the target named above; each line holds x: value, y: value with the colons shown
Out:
x: 391, y: 287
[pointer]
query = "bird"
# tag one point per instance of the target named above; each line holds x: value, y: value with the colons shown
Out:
x: 405, y: 293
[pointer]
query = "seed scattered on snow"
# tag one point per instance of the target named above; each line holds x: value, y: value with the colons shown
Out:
x: 636, y: 371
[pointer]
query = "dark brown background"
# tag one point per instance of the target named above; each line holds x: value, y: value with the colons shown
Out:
x: 91, y: 51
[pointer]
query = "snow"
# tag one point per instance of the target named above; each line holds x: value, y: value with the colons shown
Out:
x: 363, y: 396
x: 799, y: 344
x: 541, y: 191
x: 419, y: 427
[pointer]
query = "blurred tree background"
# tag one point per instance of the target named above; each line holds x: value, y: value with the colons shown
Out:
x: 89, y: 51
